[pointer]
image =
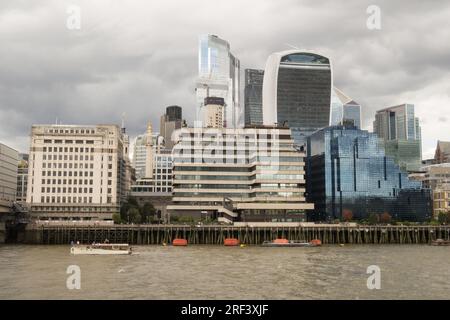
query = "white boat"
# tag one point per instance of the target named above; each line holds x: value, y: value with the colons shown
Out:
x: 102, y: 249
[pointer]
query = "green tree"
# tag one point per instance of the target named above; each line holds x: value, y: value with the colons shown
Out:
x: 443, y: 217
x: 116, y: 218
x: 186, y: 219
x: 372, y: 218
x: 434, y: 222
x: 148, y: 212
x: 133, y: 215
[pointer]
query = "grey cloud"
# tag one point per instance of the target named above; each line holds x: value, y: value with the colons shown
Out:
x: 139, y: 57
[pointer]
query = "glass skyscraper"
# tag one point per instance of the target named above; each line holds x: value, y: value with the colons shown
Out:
x: 347, y: 169
x: 253, y: 97
x: 218, y: 76
x: 344, y: 110
x: 399, y: 129
x: 297, y: 92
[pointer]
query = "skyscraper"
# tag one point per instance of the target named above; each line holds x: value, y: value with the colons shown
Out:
x: 347, y: 170
x: 218, y: 76
x: 253, y: 97
x: 170, y: 121
x: 344, y: 109
x: 399, y: 129
x: 297, y: 92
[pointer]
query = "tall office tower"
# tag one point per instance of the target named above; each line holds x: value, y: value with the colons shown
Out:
x: 170, y: 121
x: 399, y: 129
x: 218, y: 76
x: 252, y: 174
x: 213, y: 112
x: 297, y: 92
x: 442, y: 154
x: 344, y: 110
x: 77, y: 172
x: 22, y: 178
x: 347, y: 170
x: 253, y: 97
x: 8, y: 177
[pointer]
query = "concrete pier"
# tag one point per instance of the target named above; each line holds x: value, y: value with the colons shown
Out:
x: 215, y: 234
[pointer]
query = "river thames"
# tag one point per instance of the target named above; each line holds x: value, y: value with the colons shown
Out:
x: 215, y: 272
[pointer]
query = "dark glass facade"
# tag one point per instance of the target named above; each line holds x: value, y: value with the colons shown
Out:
x: 173, y: 113
x: 304, y: 94
x: 253, y: 96
x: 347, y: 169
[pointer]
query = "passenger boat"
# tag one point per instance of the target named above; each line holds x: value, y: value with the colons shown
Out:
x: 291, y: 243
x: 102, y: 249
x: 440, y: 242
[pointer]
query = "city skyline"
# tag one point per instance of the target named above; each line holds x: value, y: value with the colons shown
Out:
x: 72, y: 73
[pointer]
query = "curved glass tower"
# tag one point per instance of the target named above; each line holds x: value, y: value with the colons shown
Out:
x: 297, y: 92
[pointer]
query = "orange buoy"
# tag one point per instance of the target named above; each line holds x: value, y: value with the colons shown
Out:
x: 179, y: 242
x: 316, y: 242
x: 281, y: 240
x: 231, y: 242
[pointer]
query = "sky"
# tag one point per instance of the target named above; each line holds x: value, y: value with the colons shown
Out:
x: 137, y: 57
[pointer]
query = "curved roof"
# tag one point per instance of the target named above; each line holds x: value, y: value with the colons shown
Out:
x: 291, y: 58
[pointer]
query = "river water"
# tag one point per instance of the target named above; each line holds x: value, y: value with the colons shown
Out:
x: 215, y: 272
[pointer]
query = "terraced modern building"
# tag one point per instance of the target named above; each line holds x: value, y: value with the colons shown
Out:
x: 249, y: 174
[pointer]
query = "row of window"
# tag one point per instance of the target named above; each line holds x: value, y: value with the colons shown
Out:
x: 67, y: 149
x: 69, y: 181
x: 67, y: 157
x: 73, y: 131
x: 64, y: 199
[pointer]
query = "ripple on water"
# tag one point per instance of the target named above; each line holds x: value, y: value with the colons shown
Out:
x: 216, y: 272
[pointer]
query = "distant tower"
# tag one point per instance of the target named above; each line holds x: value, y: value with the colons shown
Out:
x: 213, y: 112
x: 170, y: 121
x: 149, y: 152
x: 218, y: 76
x: 253, y: 96
x: 344, y: 110
x: 399, y: 128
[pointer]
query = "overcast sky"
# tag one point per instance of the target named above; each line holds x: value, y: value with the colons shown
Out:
x: 140, y: 56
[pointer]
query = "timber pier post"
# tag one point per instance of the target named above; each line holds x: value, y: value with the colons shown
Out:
x: 216, y: 234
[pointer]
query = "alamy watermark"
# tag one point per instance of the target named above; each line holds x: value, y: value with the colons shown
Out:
x: 73, y: 21
x: 373, y: 21
x: 74, y: 279
x: 374, y: 280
